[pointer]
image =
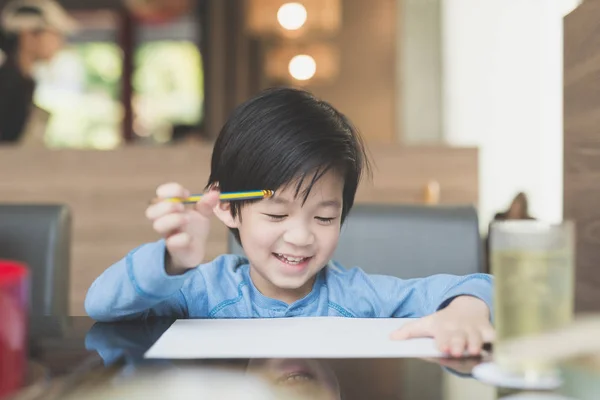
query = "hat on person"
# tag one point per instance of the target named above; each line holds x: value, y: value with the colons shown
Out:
x: 23, y: 15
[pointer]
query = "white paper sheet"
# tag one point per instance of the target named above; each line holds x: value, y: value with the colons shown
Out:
x: 314, y: 337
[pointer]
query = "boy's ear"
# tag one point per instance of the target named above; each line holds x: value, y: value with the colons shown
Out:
x: 223, y: 212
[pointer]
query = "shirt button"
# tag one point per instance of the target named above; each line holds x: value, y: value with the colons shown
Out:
x: 278, y: 312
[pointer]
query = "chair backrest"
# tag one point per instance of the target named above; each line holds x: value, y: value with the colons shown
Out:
x: 40, y: 236
x: 408, y: 241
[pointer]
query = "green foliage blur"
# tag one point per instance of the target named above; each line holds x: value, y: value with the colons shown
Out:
x: 81, y: 88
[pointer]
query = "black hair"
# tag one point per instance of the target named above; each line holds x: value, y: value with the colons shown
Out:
x: 286, y: 135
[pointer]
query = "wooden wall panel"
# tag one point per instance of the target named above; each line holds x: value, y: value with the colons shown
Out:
x: 582, y: 146
x: 109, y: 191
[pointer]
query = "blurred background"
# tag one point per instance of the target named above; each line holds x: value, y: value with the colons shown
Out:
x: 473, y: 111
x: 459, y: 101
x: 413, y: 72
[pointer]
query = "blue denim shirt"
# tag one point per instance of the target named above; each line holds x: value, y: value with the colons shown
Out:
x: 138, y: 286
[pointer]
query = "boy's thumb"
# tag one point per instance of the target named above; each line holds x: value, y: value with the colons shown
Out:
x: 207, y: 203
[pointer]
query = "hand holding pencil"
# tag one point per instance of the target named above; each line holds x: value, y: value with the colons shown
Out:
x: 185, y: 229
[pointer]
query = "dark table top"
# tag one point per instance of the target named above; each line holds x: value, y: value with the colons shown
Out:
x: 73, y: 355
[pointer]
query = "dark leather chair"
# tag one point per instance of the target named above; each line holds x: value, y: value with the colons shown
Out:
x: 408, y: 241
x: 39, y: 235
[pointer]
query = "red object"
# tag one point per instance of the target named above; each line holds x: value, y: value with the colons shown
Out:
x: 14, y: 305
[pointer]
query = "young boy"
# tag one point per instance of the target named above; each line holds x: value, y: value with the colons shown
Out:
x: 312, y: 157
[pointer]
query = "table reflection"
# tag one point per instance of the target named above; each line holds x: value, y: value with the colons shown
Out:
x: 127, y: 342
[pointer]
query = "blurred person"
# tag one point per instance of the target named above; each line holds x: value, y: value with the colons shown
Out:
x: 518, y: 210
x: 31, y: 31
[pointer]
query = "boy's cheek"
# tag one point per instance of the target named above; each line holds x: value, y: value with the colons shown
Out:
x: 329, y: 241
x: 260, y: 234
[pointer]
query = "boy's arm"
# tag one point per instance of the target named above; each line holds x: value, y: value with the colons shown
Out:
x: 424, y: 296
x: 458, y: 318
x: 454, y: 310
x: 138, y: 286
x: 419, y: 297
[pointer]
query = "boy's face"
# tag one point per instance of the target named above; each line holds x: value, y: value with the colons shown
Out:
x: 287, y: 242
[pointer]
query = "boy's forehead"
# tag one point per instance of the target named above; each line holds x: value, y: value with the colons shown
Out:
x: 329, y: 186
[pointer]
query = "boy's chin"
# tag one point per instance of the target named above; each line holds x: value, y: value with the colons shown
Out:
x: 291, y: 283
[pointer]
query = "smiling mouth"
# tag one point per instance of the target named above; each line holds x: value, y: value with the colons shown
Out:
x: 291, y: 260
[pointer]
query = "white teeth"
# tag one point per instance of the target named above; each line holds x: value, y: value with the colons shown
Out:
x: 294, y: 260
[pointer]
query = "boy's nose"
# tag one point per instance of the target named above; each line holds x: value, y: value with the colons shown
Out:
x: 299, y: 236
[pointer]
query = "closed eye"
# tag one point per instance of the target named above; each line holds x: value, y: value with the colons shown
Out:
x: 276, y: 217
x: 325, y: 220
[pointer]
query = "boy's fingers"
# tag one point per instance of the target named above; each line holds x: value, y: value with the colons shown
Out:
x: 411, y: 330
x: 169, y: 223
x: 207, y: 203
x: 488, y: 334
x: 178, y: 241
x: 163, y: 208
x: 443, y: 343
x: 458, y: 342
x: 171, y: 190
x: 474, y: 341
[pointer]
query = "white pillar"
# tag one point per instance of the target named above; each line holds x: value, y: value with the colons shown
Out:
x: 503, y: 93
x: 419, y: 72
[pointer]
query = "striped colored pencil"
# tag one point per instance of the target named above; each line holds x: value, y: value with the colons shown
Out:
x: 231, y: 196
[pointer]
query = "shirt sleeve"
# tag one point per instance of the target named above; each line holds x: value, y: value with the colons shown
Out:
x: 382, y: 296
x: 131, y: 340
x: 138, y: 286
x: 414, y: 298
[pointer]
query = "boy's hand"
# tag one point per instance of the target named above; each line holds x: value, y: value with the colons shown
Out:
x: 464, y: 325
x: 185, y: 229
